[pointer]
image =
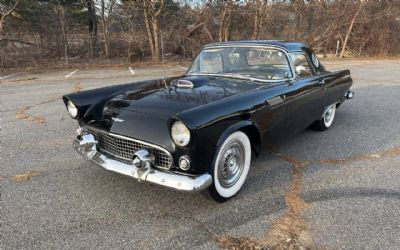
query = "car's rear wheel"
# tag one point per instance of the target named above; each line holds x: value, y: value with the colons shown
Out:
x: 230, y: 167
x: 327, y: 118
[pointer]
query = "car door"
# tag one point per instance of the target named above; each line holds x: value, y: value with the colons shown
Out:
x: 305, y: 95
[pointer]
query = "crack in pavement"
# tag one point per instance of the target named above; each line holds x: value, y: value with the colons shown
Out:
x: 360, y: 157
x: 290, y: 230
x: 22, y: 113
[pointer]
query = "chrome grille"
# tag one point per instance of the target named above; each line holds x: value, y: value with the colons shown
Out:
x: 124, y: 147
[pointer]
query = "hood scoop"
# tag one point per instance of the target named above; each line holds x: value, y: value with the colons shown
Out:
x: 190, y: 82
x: 185, y: 84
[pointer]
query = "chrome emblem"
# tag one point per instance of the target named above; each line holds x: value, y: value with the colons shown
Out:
x: 116, y: 119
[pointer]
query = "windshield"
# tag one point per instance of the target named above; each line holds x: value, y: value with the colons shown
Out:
x: 242, y: 62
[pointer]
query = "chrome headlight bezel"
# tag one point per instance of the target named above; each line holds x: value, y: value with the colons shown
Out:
x: 180, y: 134
x: 72, y: 109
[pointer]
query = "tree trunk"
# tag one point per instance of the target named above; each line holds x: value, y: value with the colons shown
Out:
x: 92, y: 26
x: 151, y: 15
x: 156, y: 57
x: 348, y: 33
x: 64, y: 32
x: 257, y: 20
x: 149, y: 28
x: 104, y: 29
x: 228, y: 23
x: 60, y: 13
x: 225, y: 20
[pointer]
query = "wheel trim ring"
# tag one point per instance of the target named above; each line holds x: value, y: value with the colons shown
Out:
x: 329, y: 115
x: 228, y: 177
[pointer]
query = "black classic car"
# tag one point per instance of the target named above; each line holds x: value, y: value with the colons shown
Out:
x: 198, y: 131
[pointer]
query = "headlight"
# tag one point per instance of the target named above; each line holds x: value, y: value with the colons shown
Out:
x: 72, y: 110
x: 180, y: 134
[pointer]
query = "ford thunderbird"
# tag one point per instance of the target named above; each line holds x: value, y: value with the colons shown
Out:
x: 199, y: 131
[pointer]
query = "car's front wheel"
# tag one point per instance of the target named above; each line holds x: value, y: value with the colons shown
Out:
x: 230, y: 167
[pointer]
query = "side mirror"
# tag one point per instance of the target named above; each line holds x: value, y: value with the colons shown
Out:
x: 300, y: 70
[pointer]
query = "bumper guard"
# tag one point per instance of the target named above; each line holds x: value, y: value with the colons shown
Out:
x: 86, y: 146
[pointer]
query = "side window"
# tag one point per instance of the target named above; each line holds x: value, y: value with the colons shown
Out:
x: 301, y: 65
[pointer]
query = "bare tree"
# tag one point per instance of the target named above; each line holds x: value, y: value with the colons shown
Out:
x: 60, y: 12
x: 35, y: 36
x: 106, y: 15
x: 225, y: 21
x: 92, y: 25
x: 259, y: 8
x: 6, y: 14
x: 152, y: 10
x: 348, y: 33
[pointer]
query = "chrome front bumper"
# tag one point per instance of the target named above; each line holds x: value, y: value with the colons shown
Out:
x: 86, y: 146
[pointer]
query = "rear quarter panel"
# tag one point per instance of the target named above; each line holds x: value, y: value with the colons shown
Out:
x: 337, y: 84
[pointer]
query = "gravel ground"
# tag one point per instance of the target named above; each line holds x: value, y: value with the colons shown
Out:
x: 347, y: 177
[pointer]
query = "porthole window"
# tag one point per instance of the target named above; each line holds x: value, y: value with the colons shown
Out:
x: 315, y: 60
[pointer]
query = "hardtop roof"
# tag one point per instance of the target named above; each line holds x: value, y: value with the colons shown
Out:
x: 286, y: 45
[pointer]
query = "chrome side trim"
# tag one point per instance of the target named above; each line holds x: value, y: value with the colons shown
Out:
x: 86, y: 146
x: 275, y: 101
x: 134, y: 140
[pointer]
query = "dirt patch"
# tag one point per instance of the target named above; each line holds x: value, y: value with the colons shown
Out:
x: 25, y: 176
x: 238, y: 243
x: 22, y: 114
x: 77, y: 87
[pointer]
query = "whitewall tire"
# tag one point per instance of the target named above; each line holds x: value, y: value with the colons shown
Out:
x: 231, y: 166
x: 327, y: 118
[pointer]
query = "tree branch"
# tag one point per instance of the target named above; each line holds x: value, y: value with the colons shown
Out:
x: 3, y: 16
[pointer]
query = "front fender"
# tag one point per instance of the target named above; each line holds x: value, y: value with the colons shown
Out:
x: 250, y: 128
x: 246, y: 126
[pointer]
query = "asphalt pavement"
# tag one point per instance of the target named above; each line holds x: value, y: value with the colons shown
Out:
x: 337, y: 189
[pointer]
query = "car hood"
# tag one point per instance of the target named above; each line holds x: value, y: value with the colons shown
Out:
x: 143, y: 113
x: 166, y: 99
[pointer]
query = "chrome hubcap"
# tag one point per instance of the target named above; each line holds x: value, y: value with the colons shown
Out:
x: 231, y: 164
x: 329, y: 115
